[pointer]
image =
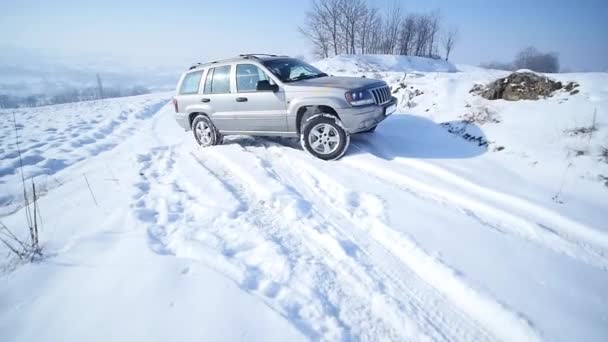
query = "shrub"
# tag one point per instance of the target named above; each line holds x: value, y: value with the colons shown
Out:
x: 532, y: 59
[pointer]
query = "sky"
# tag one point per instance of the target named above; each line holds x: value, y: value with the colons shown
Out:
x: 179, y: 32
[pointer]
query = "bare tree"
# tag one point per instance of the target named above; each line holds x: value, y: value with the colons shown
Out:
x: 369, y: 21
x: 423, y: 29
x: 327, y: 14
x: 407, y: 35
x: 317, y: 33
x: 376, y: 37
x: 531, y: 58
x: 449, y: 39
x: 351, y: 20
x: 433, y: 28
x: 391, y: 28
x: 351, y: 26
x: 99, y: 88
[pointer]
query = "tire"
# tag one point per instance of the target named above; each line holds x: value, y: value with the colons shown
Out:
x: 371, y: 130
x: 324, y: 136
x: 204, y: 131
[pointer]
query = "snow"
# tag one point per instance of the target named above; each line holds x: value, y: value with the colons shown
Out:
x: 527, y: 71
x: 350, y: 64
x: 424, y: 230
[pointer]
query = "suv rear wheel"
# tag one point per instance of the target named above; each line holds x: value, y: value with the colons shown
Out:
x: 205, y: 132
x: 324, y: 136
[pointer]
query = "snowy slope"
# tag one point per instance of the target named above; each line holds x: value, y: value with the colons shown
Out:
x: 356, y: 64
x: 54, y: 137
x: 416, y: 234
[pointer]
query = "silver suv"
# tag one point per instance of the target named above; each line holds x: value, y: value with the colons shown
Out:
x: 271, y: 95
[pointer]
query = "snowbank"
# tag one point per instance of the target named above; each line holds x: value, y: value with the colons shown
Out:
x: 383, y: 63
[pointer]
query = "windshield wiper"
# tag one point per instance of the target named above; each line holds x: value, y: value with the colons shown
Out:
x: 305, y: 77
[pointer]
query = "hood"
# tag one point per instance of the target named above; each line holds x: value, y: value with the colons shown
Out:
x: 340, y: 82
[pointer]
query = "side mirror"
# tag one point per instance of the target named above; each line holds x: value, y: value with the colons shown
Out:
x: 266, y: 86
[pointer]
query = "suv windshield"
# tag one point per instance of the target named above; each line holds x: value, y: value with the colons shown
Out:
x: 291, y: 69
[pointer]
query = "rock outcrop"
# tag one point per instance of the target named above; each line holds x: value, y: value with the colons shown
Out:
x: 523, y: 86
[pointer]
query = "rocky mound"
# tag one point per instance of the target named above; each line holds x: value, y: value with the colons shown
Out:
x: 522, y: 86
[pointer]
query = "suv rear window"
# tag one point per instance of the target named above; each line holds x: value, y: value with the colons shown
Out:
x: 218, y: 80
x: 191, y: 83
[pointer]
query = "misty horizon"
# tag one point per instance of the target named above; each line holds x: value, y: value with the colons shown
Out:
x: 151, y: 34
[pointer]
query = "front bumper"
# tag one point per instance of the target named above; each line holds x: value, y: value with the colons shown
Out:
x: 358, y: 119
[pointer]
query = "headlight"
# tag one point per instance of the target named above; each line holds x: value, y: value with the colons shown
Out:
x: 359, y: 97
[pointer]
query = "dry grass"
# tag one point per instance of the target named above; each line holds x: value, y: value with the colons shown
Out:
x: 481, y: 116
x: 585, y: 130
x: 581, y: 131
x: 604, y: 154
x: 24, y: 249
x: 603, y: 179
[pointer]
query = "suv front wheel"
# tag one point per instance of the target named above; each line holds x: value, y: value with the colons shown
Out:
x: 324, y: 136
x: 205, y: 132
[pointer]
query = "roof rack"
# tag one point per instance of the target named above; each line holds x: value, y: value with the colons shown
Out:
x: 255, y: 55
x: 196, y: 65
x: 243, y: 55
x: 258, y: 55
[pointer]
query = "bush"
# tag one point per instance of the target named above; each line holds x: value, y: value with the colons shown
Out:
x: 532, y: 59
x: 528, y: 58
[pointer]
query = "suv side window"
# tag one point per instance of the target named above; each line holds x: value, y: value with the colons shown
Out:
x: 191, y: 83
x: 218, y: 80
x: 248, y: 76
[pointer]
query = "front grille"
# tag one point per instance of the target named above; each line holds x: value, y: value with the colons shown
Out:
x: 381, y: 94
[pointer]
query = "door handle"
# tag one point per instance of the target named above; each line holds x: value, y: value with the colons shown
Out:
x: 241, y: 99
x: 205, y: 100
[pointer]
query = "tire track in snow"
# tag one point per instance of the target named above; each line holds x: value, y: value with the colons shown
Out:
x: 353, y: 208
x: 361, y: 294
x: 568, y: 229
x: 296, y: 269
x: 589, y: 249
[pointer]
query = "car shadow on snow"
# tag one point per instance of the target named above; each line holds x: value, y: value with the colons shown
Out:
x: 413, y: 136
x: 402, y: 136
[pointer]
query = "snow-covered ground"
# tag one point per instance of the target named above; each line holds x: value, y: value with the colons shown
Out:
x: 428, y: 229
